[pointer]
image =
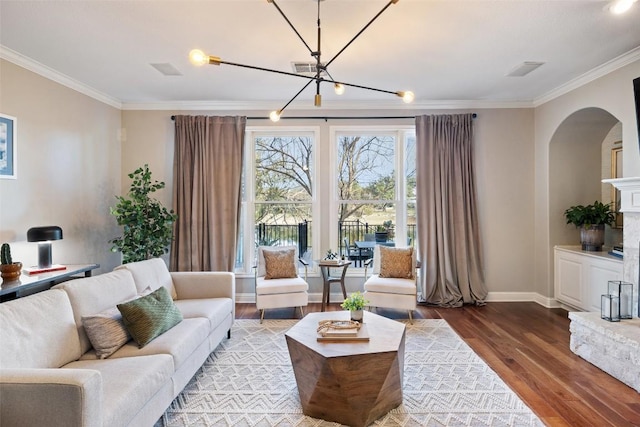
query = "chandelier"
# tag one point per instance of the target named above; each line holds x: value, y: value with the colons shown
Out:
x: 198, y: 57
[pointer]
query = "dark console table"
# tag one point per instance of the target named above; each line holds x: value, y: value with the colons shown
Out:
x: 28, y: 284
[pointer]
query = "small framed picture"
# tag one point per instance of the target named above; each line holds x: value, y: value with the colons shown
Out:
x: 8, y: 147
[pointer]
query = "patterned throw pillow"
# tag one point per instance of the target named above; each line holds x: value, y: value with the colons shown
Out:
x: 396, y: 262
x: 150, y: 316
x: 280, y: 264
x: 106, y: 332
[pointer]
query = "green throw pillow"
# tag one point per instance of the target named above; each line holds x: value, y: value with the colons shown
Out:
x: 150, y: 316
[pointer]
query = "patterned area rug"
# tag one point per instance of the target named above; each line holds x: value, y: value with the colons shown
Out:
x: 248, y: 381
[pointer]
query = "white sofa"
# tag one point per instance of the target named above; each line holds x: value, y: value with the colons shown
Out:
x: 51, y: 376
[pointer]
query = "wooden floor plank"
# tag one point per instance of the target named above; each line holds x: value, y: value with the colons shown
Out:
x: 527, y: 345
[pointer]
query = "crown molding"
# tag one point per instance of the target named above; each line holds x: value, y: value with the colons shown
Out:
x: 326, y: 106
x: 51, y: 74
x: 600, y: 71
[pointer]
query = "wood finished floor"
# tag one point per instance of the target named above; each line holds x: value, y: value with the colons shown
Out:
x: 527, y: 345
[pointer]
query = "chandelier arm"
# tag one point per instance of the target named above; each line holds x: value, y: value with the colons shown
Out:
x: 291, y: 25
x: 253, y: 67
x: 362, y: 87
x: 295, y: 96
x: 361, y: 31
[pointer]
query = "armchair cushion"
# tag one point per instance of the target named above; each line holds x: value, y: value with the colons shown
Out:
x: 280, y: 264
x: 396, y: 262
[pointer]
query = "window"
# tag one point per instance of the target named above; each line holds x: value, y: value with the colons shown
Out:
x: 278, y: 191
x: 362, y: 180
x: 375, y: 189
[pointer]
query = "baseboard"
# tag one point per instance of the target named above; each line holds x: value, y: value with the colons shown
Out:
x: 250, y: 298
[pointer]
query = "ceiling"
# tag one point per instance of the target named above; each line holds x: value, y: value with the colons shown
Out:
x: 445, y: 51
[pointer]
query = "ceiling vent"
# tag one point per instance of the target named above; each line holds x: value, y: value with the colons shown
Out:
x: 306, y: 68
x: 524, y: 68
x: 166, y: 69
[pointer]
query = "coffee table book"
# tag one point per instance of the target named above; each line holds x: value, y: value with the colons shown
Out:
x: 345, y: 335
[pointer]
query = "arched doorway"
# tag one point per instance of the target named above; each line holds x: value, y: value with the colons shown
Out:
x: 576, y: 158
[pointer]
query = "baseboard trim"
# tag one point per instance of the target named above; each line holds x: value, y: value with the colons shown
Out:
x: 250, y: 298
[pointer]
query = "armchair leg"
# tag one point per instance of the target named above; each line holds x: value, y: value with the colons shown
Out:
x: 411, y: 317
x: 261, y: 315
x: 301, y: 312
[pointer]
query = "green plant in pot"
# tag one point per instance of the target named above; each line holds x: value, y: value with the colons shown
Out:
x: 9, y: 270
x: 147, y: 224
x: 355, y: 303
x: 591, y: 220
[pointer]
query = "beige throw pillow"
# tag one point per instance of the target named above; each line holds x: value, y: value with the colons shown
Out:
x: 280, y: 264
x: 106, y: 331
x: 396, y: 262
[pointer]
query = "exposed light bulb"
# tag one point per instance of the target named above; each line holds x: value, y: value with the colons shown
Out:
x: 198, y: 57
x: 339, y: 88
x: 618, y: 7
x: 407, y: 96
x: 275, y: 115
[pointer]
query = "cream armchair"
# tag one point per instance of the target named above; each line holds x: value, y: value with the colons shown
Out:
x: 393, y: 282
x: 277, y: 281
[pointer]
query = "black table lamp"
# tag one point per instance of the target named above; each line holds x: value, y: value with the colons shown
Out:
x: 44, y: 236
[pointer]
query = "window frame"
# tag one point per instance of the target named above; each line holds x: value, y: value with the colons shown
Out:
x: 400, y: 133
x: 249, y: 197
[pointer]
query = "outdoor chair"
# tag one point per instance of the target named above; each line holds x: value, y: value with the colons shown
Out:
x: 278, y: 284
x: 393, y: 282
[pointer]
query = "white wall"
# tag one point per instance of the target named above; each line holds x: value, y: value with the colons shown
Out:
x: 68, y: 169
x: 504, y: 165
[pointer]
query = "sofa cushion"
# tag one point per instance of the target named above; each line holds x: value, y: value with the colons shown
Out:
x: 178, y: 342
x: 216, y: 310
x: 92, y: 295
x: 38, y: 331
x: 385, y: 285
x: 147, y: 317
x: 152, y: 272
x: 280, y: 286
x: 128, y: 384
x: 106, y: 331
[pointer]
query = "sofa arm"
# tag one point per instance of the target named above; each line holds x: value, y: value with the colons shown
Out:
x: 51, y: 397
x: 204, y: 284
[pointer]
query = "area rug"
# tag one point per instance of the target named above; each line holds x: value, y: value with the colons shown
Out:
x: 248, y: 381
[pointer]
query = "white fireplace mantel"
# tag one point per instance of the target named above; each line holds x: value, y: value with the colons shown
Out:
x: 629, y: 193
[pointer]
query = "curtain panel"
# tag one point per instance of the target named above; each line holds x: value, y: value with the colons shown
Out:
x: 447, y: 213
x: 207, y: 173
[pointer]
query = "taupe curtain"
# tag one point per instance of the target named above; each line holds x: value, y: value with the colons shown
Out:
x: 447, y: 214
x: 207, y: 173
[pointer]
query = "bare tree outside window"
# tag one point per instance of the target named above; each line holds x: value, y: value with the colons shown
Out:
x: 283, y: 189
x: 365, y: 173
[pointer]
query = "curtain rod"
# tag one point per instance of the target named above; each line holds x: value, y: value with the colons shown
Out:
x: 326, y: 118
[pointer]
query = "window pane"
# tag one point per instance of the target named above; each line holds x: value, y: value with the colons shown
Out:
x: 410, y: 166
x: 411, y: 224
x: 366, y: 167
x: 282, y: 224
x: 283, y: 168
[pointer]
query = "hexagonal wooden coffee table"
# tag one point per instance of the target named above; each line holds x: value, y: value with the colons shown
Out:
x: 349, y: 382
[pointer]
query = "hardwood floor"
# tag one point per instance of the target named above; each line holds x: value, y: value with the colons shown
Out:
x: 528, y: 346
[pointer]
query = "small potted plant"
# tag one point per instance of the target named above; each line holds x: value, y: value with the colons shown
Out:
x: 9, y: 270
x: 591, y: 220
x: 355, y: 303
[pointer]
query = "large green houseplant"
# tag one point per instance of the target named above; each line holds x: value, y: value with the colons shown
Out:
x: 147, y: 225
x: 591, y: 219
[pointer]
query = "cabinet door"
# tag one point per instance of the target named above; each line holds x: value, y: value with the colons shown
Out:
x: 569, y: 279
x: 599, y: 273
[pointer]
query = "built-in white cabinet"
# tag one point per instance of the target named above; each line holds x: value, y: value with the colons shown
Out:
x: 581, y: 277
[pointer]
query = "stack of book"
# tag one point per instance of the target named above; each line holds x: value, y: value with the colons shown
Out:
x: 342, y: 333
x: 617, y: 251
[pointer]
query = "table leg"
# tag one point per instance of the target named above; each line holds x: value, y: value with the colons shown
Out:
x: 325, y: 287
